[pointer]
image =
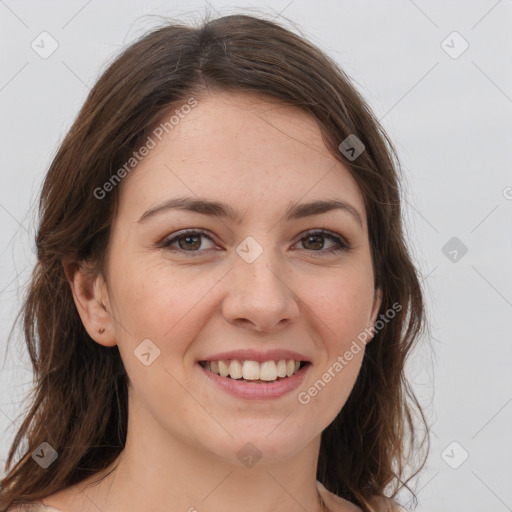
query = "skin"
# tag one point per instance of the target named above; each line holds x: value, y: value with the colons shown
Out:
x: 184, y: 434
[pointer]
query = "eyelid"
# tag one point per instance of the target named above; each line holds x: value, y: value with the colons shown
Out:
x: 327, y: 234
x: 168, y: 240
x: 342, y: 243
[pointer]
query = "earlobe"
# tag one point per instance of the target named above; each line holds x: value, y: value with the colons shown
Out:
x: 90, y: 295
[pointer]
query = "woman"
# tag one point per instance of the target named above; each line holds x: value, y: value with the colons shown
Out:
x: 223, y: 301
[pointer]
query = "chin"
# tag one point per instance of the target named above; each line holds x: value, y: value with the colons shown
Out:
x: 261, y: 444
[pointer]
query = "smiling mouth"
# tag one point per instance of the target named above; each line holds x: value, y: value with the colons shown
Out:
x: 265, y: 372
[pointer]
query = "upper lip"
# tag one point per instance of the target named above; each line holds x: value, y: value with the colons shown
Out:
x: 257, y: 355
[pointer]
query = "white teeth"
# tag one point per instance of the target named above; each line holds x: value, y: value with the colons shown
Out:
x: 290, y: 367
x: 223, y: 369
x: 235, y: 369
x: 253, y: 370
x: 268, y: 371
x: 281, y: 368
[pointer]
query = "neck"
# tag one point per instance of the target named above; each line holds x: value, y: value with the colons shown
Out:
x: 157, y: 471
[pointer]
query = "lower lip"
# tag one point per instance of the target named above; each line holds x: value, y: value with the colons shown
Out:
x: 253, y: 391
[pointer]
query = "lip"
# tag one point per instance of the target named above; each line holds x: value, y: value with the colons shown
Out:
x: 252, y: 391
x: 257, y: 355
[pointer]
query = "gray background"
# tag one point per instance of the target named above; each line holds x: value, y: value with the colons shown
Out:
x: 450, y: 119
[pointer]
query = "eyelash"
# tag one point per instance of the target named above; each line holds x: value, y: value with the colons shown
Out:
x: 342, y: 246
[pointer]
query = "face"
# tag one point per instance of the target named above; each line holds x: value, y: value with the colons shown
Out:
x: 259, y: 283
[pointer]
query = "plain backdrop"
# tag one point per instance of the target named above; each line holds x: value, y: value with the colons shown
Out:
x: 446, y: 101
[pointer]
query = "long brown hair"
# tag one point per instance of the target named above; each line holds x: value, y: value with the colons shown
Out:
x: 79, y: 401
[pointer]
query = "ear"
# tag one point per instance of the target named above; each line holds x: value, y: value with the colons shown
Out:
x: 91, y: 298
x: 377, y: 301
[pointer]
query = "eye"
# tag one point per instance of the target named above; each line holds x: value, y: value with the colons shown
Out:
x: 188, y: 241
x: 313, y: 239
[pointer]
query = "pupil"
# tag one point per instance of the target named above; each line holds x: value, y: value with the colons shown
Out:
x: 318, y: 246
x: 191, y: 237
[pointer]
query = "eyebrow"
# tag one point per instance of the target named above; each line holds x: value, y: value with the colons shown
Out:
x: 217, y: 209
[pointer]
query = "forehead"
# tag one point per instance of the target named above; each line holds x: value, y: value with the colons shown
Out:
x: 230, y: 146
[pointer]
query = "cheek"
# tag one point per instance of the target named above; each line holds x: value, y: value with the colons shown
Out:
x: 344, y: 306
x: 343, y: 309
x: 330, y: 391
x: 165, y: 306
x: 150, y: 300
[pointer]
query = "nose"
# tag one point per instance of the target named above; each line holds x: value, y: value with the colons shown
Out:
x: 258, y: 296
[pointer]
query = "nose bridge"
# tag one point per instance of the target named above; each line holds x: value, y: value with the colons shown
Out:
x: 259, y: 292
x: 259, y: 264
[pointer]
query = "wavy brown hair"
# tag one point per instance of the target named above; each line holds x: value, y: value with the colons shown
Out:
x: 79, y: 402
